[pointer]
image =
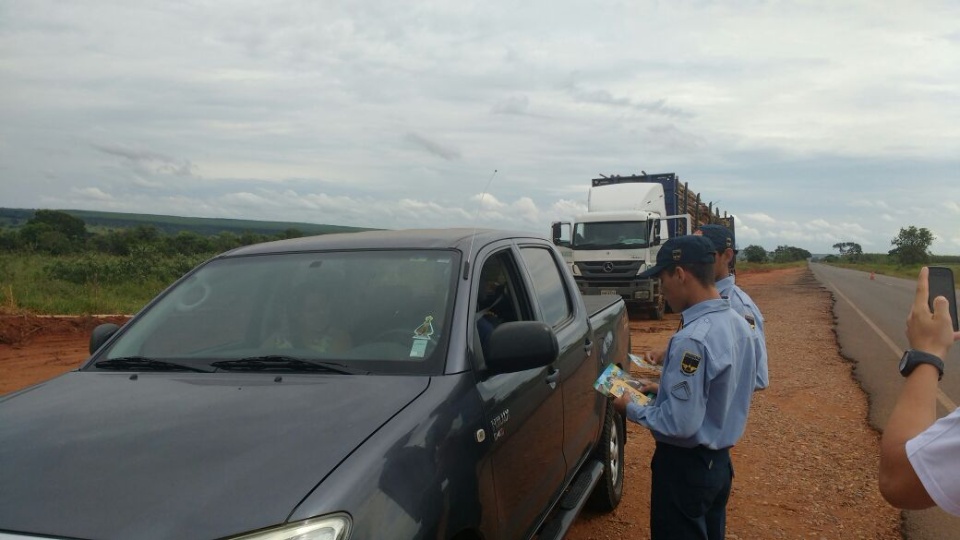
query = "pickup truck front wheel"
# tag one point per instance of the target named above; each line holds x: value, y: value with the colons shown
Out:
x: 606, y: 496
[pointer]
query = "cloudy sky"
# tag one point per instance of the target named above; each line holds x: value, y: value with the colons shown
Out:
x: 812, y: 122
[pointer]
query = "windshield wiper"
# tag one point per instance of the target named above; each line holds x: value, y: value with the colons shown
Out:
x: 275, y: 362
x: 138, y: 363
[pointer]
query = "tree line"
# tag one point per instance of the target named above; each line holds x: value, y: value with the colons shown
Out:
x: 783, y: 254
x: 140, y: 256
x: 911, y: 247
x: 54, y: 232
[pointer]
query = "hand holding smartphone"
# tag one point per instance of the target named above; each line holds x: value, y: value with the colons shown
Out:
x: 940, y: 280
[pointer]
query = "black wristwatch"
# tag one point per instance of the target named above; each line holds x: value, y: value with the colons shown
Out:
x: 911, y: 359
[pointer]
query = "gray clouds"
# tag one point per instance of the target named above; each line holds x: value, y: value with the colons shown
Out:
x: 793, y: 115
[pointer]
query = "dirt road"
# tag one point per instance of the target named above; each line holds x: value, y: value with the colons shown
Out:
x: 805, y: 469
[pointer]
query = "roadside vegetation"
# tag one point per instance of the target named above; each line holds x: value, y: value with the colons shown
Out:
x: 54, y: 265
x: 746, y: 266
x: 910, y: 252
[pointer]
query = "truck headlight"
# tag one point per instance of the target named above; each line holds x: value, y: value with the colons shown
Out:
x: 332, y: 527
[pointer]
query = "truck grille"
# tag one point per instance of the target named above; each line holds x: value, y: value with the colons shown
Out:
x: 609, y: 270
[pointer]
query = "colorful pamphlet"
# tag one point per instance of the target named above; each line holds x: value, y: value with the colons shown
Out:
x: 614, y: 382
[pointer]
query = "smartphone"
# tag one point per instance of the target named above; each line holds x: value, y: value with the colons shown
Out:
x: 941, y: 283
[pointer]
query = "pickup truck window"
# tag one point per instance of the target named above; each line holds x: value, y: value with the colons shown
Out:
x: 548, y: 283
x: 500, y: 296
x: 371, y: 311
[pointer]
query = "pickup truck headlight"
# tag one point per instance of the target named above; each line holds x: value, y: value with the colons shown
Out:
x: 332, y: 527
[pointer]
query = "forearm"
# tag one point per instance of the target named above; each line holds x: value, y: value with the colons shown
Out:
x: 915, y: 411
x: 916, y: 408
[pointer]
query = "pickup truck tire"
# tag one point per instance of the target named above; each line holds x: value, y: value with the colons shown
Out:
x: 608, y: 492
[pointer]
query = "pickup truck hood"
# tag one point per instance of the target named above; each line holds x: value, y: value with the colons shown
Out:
x: 174, y: 455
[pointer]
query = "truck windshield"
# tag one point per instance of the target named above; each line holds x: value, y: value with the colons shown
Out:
x: 371, y: 311
x: 610, y: 234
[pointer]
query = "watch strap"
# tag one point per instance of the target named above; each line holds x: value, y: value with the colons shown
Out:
x: 914, y: 358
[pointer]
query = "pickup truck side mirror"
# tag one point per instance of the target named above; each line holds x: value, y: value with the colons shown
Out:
x: 521, y: 345
x: 101, y: 334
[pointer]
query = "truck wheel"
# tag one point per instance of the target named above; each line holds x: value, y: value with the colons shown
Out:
x: 606, y: 496
x: 658, y: 310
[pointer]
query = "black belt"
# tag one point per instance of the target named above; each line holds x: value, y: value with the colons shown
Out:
x: 699, y: 449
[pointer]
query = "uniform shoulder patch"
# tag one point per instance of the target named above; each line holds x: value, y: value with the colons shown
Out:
x: 690, y: 363
x: 681, y: 391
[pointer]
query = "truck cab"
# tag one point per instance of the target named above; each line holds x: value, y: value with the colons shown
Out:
x: 627, y: 219
x: 615, y: 240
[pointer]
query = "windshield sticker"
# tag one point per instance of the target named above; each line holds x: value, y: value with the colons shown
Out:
x: 419, y: 347
x: 425, y: 329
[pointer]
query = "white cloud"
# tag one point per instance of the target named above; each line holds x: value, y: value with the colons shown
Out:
x: 761, y: 218
x: 92, y: 193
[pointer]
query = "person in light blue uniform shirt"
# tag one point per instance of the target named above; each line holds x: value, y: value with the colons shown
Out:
x: 725, y: 244
x: 704, y: 394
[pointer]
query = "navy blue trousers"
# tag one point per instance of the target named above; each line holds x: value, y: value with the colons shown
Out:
x: 690, y: 490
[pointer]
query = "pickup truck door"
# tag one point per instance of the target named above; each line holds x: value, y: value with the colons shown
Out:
x: 577, y: 363
x: 524, y: 409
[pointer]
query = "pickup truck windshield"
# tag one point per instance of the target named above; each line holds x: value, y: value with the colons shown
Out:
x: 610, y: 234
x: 367, y: 311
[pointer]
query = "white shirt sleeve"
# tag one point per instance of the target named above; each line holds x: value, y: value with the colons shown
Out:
x: 935, y: 456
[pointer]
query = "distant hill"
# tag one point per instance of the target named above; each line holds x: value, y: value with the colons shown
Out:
x: 16, y: 217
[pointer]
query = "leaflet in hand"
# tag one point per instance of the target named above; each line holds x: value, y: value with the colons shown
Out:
x: 614, y: 382
x: 645, y: 369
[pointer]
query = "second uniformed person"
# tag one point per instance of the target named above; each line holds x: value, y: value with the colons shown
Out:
x: 740, y: 301
x: 704, y: 394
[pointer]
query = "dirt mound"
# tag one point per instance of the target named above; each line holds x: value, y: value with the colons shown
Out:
x: 20, y: 329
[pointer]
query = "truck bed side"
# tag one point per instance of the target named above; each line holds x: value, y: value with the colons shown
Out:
x: 611, y: 328
x: 595, y: 303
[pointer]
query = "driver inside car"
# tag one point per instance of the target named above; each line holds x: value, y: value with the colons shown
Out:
x: 312, y: 323
x: 491, y: 294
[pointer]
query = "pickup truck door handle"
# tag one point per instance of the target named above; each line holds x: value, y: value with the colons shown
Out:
x: 553, y: 377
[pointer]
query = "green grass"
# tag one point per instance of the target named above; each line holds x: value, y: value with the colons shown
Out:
x: 95, y: 283
x: 743, y: 266
x: 25, y: 286
x: 886, y: 269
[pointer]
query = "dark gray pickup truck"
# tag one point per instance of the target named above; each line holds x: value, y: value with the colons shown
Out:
x: 405, y: 384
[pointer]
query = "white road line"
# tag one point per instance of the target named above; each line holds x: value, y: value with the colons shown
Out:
x: 897, y: 351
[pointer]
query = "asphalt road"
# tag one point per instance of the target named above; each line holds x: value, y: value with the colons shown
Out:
x: 871, y: 315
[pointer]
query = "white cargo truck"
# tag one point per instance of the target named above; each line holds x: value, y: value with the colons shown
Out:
x: 627, y: 219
